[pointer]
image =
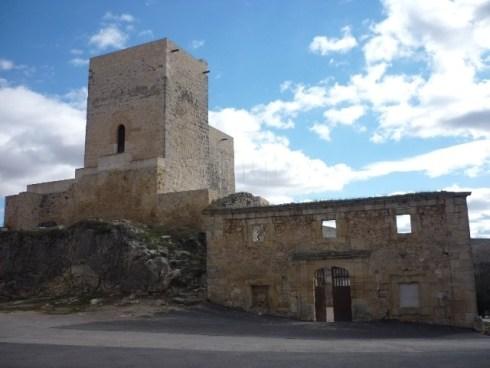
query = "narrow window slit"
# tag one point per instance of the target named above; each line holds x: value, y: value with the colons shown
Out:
x: 121, y: 138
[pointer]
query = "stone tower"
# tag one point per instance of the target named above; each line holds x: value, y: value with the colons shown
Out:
x: 150, y: 155
x: 158, y: 94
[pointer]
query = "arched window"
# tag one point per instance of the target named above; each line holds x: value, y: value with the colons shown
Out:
x: 121, y: 138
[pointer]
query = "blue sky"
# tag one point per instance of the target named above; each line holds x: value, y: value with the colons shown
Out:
x: 325, y: 99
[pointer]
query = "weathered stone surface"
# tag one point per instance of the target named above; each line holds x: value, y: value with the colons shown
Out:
x: 239, y: 200
x: 172, y: 165
x: 269, y: 255
x: 481, y: 259
x: 101, y: 258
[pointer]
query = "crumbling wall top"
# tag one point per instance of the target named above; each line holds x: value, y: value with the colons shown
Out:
x: 218, y: 208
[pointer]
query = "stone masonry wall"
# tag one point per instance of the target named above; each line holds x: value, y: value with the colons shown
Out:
x: 186, y: 122
x: 481, y: 259
x: 281, y: 247
x: 127, y: 87
x: 221, y: 162
x: 110, y: 195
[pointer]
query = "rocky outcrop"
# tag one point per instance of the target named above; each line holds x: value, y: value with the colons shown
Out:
x: 99, y: 258
x: 239, y: 200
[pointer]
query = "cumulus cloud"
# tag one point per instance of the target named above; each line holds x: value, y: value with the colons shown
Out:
x: 468, y: 157
x: 109, y: 37
x: 6, y: 64
x: 114, y: 32
x: 323, y: 45
x: 281, y: 113
x: 448, y: 40
x: 347, y: 115
x: 267, y: 165
x: 41, y: 138
x: 447, y: 94
x: 322, y: 130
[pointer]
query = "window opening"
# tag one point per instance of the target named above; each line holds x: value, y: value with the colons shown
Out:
x: 403, y: 224
x: 258, y: 233
x: 329, y: 229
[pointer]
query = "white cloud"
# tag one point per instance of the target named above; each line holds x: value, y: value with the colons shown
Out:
x: 123, y: 17
x: 195, y: 44
x: 109, y: 37
x: 78, y: 61
x: 76, y: 52
x: 6, y: 64
x: 466, y: 157
x: 323, y: 45
x: 347, y: 115
x: 448, y: 97
x: 322, y: 130
x: 280, y: 113
x: 268, y: 166
x: 41, y: 138
x: 479, y: 209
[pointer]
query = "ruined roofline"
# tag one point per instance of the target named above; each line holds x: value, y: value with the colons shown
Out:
x: 165, y: 40
x: 420, y: 196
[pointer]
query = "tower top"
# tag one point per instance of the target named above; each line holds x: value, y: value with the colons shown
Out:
x: 146, y: 102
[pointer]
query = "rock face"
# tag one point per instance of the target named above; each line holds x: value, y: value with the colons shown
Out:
x: 102, y: 258
x: 239, y: 200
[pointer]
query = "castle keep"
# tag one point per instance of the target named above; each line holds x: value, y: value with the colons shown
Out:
x: 151, y: 157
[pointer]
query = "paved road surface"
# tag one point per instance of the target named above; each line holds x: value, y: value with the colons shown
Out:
x: 215, y: 337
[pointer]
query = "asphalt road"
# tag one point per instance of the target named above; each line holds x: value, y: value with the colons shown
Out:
x: 215, y: 337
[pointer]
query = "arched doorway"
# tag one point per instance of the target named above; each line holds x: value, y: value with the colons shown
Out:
x: 332, y: 295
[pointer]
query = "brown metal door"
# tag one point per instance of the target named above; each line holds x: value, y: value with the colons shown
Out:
x: 341, y: 294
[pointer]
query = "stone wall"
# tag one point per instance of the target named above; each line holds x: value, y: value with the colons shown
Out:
x: 281, y: 247
x: 127, y: 87
x: 221, y: 162
x: 481, y: 259
x: 186, y: 122
x: 110, y: 195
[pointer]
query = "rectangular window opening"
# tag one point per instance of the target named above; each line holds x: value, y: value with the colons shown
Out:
x: 329, y: 229
x: 409, y: 295
x: 403, y: 224
x: 258, y: 233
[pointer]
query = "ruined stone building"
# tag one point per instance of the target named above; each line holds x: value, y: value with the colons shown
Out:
x: 404, y: 257
x: 151, y: 157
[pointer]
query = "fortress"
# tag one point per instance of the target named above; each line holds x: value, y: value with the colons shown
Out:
x: 151, y: 157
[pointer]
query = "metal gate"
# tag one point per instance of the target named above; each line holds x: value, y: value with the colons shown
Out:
x: 341, y: 294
